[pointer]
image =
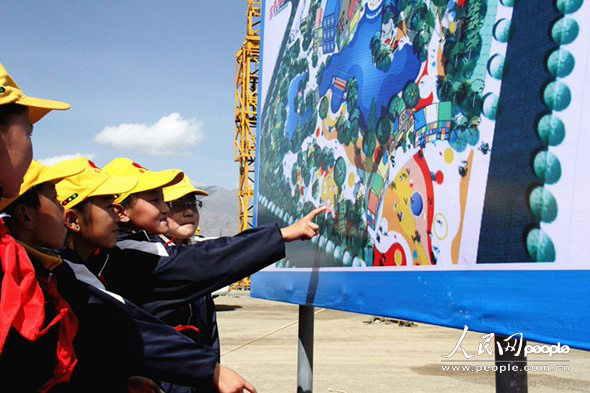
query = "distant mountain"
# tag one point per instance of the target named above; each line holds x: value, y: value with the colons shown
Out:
x: 219, y: 215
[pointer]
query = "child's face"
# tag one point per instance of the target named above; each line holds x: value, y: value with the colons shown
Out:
x: 184, y: 220
x: 16, y: 152
x: 49, y: 230
x: 99, y: 222
x: 149, y: 212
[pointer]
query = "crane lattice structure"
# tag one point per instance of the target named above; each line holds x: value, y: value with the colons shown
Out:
x: 247, y: 65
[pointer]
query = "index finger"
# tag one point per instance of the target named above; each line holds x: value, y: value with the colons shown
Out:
x: 249, y: 387
x: 315, y: 212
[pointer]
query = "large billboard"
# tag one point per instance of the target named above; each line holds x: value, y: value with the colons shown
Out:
x: 448, y: 138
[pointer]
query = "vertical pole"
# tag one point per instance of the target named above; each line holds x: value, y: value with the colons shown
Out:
x: 513, y: 378
x: 305, y: 350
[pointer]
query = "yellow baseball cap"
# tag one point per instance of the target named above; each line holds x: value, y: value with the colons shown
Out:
x: 89, y: 183
x: 39, y: 174
x: 147, y: 180
x: 180, y: 189
x: 10, y: 93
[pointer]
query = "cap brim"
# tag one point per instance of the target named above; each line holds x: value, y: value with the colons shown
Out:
x: 182, y: 191
x: 115, y: 185
x: 39, y: 107
x: 61, y: 170
x: 53, y: 173
x: 153, y: 180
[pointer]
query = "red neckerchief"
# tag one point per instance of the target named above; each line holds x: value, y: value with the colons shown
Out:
x: 22, y: 307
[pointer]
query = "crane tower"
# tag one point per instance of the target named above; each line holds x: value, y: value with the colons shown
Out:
x: 247, y: 65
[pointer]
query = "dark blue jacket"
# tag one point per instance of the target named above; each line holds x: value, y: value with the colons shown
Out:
x: 118, y: 339
x: 199, y: 312
x: 159, y: 280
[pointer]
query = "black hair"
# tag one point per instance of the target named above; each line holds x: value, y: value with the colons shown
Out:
x: 29, y: 199
x: 9, y: 110
x: 82, y: 208
x: 129, y: 201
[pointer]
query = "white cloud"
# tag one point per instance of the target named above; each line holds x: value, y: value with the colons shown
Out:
x: 170, y: 135
x: 54, y: 160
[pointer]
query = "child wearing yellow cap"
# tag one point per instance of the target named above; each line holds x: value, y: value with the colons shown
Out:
x: 183, y: 217
x: 183, y: 221
x: 144, y: 207
x: 91, y: 222
x: 36, y: 221
x: 18, y: 113
x: 159, y: 279
x: 141, y: 258
x: 163, y: 279
x: 26, y: 341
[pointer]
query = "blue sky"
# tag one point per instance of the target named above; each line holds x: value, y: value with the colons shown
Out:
x: 131, y: 69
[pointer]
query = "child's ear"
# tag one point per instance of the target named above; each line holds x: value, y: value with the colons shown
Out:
x: 71, y: 221
x: 121, y: 212
x: 24, y: 216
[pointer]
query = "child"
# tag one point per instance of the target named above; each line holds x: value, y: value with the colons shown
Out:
x: 27, y: 341
x: 36, y: 220
x: 91, y: 222
x: 183, y: 221
x: 162, y: 280
x: 183, y: 218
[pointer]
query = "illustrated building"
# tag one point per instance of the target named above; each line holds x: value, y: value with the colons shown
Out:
x: 433, y: 123
x: 329, y: 26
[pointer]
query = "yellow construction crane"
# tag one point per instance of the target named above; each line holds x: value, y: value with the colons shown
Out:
x: 247, y: 65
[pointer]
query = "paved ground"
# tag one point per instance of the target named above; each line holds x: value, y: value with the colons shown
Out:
x: 355, y: 354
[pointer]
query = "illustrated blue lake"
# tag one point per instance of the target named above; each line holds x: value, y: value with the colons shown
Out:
x: 355, y: 60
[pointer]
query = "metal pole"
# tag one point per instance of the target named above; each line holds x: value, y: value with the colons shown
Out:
x: 305, y: 350
x: 513, y: 378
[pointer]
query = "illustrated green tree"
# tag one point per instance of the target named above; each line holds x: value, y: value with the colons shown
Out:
x: 372, y: 119
x: 441, y: 5
x: 298, y: 104
x: 306, y: 29
x: 294, y: 174
x: 306, y: 174
x: 396, y: 107
x: 340, y: 122
x: 354, y: 125
x: 352, y: 88
x: 310, y: 156
x: 324, y: 159
x: 340, y: 172
x: 383, y: 130
x: 411, y: 95
x: 461, y: 52
x: 472, y: 103
x: 369, y: 144
x: 317, y: 156
x: 320, y: 73
x: 324, y: 106
x: 330, y: 160
x: 315, y: 189
x: 380, y: 54
x: 295, y: 50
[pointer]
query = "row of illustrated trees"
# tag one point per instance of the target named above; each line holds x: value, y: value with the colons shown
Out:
x: 461, y: 51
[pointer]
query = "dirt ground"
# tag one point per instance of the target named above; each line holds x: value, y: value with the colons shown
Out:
x: 355, y: 353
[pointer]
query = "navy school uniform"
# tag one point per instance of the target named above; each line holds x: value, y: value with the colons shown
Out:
x: 198, y: 313
x: 141, y: 269
x: 117, y: 339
